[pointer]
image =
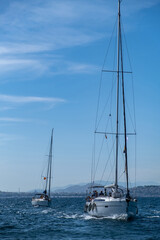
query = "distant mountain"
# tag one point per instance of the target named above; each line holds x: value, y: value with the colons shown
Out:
x: 140, y: 191
x: 146, y: 191
x: 83, y: 187
x: 73, y: 189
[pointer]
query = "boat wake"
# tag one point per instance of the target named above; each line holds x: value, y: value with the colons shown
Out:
x: 88, y: 217
x: 114, y: 217
x: 153, y: 216
x: 70, y: 216
x: 47, y: 211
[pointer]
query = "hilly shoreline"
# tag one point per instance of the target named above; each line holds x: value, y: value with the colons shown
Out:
x: 80, y: 190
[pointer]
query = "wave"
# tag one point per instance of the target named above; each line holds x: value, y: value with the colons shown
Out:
x: 47, y: 211
x: 70, y: 216
x: 153, y: 216
x: 114, y: 217
x: 156, y: 211
x: 88, y: 217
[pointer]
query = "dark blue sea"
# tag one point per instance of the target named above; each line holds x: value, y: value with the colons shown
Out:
x: 65, y: 219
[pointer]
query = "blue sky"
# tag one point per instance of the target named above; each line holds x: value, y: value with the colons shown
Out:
x: 51, y: 55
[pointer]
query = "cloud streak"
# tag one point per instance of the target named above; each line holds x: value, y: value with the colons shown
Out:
x: 29, y: 99
x: 81, y: 68
x: 13, y: 120
x: 12, y: 102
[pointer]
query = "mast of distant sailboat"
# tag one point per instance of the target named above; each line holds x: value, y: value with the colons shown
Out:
x: 49, y: 168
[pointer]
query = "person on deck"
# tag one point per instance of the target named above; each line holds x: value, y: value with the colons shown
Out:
x: 101, y: 193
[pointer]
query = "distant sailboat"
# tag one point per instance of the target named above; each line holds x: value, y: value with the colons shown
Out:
x: 44, y: 199
x: 111, y: 199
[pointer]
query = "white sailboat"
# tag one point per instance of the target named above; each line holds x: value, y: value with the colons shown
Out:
x: 111, y: 200
x: 44, y: 199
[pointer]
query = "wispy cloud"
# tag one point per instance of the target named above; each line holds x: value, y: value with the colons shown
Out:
x: 11, y: 48
x: 81, y: 68
x: 13, y: 120
x: 14, y: 101
x: 29, y: 99
x: 7, y: 64
x: 56, y: 65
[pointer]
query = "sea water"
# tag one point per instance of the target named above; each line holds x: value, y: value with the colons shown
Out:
x: 65, y: 219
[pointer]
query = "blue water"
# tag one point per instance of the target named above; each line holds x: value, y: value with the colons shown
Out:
x: 65, y: 219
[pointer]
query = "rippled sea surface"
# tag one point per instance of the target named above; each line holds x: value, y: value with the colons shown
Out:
x: 65, y: 219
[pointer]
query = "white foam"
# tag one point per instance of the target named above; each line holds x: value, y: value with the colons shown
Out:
x: 73, y: 216
x: 69, y: 216
x: 114, y: 217
x: 47, y: 211
x: 88, y: 217
x: 153, y: 216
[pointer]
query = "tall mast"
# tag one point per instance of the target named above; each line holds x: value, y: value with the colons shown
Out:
x: 50, y: 164
x: 124, y: 116
x: 118, y: 48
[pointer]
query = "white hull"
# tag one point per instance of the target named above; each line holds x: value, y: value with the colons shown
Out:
x: 109, y: 207
x: 41, y: 202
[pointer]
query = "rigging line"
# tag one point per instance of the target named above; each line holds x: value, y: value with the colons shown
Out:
x: 112, y: 131
x: 134, y: 127
x: 113, y: 149
x: 115, y: 25
x: 134, y: 109
x: 99, y: 158
x: 96, y: 127
x: 113, y: 76
x: 135, y: 164
x: 98, y: 100
x: 93, y: 160
x: 131, y: 77
x: 111, y: 94
x: 45, y: 161
x: 92, y: 164
x: 111, y: 171
x: 101, y: 149
x: 102, y: 73
x: 133, y: 103
x: 121, y: 175
x: 122, y: 154
x: 107, y: 161
x: 121, y: 149
x: 129, y: 181
x: 126, y: 46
